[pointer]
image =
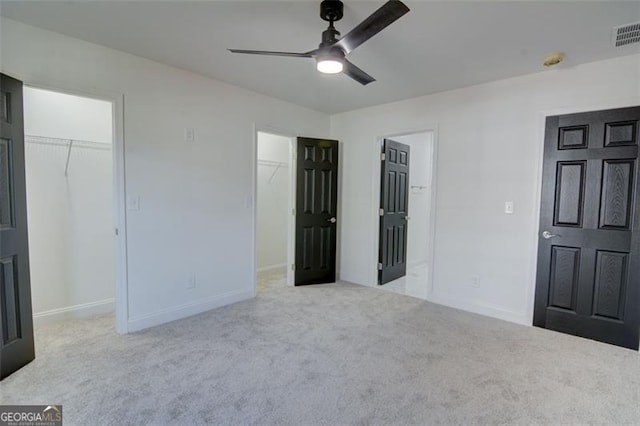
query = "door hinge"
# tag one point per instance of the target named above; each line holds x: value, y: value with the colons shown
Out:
x: 293, y: 212
x: 381, y: 212
x: 293, y: 267
x: 383, y: 157
x: 379, y: 266
x: 116, y: 231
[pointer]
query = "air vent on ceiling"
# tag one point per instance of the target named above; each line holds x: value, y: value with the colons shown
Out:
x: 626, y: 34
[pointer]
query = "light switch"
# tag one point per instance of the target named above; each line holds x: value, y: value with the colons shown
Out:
x: 189, y: 134
x: 133, y: 202
x: 508, y: 207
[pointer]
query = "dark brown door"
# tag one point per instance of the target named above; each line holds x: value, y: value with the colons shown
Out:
x: 15, y: 291
x: 588, y: 277
x: 316, y: 211
x: 394, y: 206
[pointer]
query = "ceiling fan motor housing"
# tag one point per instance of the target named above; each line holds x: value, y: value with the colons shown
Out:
x: 331, y: 10
x: 329, y: 37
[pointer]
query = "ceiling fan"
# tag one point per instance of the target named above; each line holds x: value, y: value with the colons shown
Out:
x: 330, y: 56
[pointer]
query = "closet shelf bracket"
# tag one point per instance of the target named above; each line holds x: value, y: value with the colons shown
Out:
x: 66, y: 166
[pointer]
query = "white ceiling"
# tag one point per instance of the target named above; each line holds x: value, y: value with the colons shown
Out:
x: 435, y: 47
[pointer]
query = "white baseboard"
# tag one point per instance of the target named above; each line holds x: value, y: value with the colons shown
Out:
x: 83, y: 310
x: 477, y: 308
x: 186, y: 310
x: 415, y: 263
x: 271, y: 267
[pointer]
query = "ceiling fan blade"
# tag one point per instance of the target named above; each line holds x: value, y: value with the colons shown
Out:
x: 356, y: 73
x: 379, y: 20
x: 269, y: 53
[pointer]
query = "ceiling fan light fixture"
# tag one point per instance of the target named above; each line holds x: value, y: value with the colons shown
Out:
x: 330, y: 54
x: 330, y: 65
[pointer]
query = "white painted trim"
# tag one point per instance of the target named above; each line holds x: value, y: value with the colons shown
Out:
x: 119, y: 185
x: 478, y: 308
x: 120, y: 218
x: 291, y: 249
x: 83, y: 310
x: 291, y: 228
x: 271, y: 267
x: 188, y: 309
x: 254, y: 211
x: 375, y: 217
x: 434, y: 210
x: 417, y: 264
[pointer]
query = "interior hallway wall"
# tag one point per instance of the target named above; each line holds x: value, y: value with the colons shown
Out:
x: 273, y: 200
x: 71, y: 237
x: 195, y: 216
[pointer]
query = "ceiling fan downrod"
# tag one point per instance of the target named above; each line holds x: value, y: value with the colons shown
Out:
x: 330, y: 11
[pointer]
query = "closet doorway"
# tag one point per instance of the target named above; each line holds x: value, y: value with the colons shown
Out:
x: 412, y: 248
x: 70, y: 205
x: 274, y: 210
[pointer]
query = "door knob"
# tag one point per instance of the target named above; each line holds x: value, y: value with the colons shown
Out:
x: 548, y: 235
x: 332, y: 220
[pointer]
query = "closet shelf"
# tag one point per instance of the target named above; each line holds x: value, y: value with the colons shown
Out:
x: 272, y: 163
x: 277, y: 164
x: 77, y: 143
x: 69, y: 143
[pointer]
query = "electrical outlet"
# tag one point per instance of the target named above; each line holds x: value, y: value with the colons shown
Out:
x: 475, y: 281
x: 191, y: 282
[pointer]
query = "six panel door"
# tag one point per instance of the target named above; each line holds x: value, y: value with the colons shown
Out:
x: 394, y: 207
x: 16, y: 330
x: 316, y: 211
x: 588, y: 281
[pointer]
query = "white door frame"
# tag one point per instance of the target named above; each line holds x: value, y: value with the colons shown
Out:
x: 119, y: 188
x: 291, y: 221
x: 375, y: 217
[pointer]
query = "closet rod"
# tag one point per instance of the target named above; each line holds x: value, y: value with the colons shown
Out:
x: 276, y: 164
x: 272, y: 163
x: 79, y: 143
x: 71, y: 143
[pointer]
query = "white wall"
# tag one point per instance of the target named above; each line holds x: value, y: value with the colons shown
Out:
x: 273, y: 182
x: 71, y: 238
x: 489, y: 140
x: 59, y: 115
x: 196, y: 212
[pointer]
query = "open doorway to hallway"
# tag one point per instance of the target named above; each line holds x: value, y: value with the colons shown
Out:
x: 70, y: 205
x: 418, y: 252
x: 274, y: 204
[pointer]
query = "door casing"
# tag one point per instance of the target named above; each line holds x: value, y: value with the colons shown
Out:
x: 291, y: 221
x: 375, y: 207
x: 119, y: 188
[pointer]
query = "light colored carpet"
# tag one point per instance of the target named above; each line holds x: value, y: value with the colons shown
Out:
x: 331, y: 354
